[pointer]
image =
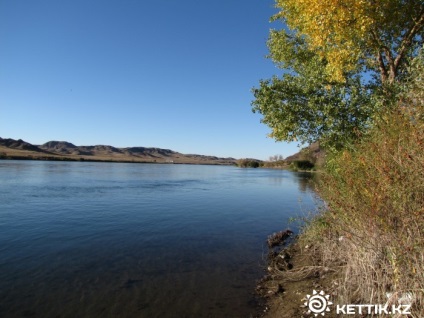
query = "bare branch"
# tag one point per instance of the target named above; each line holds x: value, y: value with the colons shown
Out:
x: 406, y: 42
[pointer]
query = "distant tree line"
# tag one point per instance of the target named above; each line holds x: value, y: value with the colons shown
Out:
x: 276, y: 158
x: 249, y: 163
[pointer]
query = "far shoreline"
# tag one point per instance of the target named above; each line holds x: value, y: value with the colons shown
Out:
x: 68, y: 159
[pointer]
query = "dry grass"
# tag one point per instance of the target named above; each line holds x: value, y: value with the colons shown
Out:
x: 373, y: 224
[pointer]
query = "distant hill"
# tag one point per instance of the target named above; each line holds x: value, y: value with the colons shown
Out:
x: 308, y: 157
x: 19, y: 145
x: 63, y: 150
x: 67, y: 148
x: 313, y: 153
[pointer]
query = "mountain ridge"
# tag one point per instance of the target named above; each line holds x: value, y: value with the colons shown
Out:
x: 64, y: 150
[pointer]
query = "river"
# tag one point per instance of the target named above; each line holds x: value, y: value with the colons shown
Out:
x: 81, y: 239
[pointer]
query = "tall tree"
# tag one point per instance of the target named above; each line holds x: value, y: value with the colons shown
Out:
x: 349, y: 34
x: 327, y: 52
x: 305, y: 104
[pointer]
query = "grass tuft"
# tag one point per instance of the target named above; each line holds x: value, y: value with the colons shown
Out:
x: 373, y: 223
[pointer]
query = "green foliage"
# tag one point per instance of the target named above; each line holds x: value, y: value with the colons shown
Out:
x: 248, y: 163
x: 323, y: 93
x: 304, y: 105
x: 302, y: 165
x: 374, y: 193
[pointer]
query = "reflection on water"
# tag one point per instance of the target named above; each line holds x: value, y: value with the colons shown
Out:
x: 133, y: 240
x: 306, y: 181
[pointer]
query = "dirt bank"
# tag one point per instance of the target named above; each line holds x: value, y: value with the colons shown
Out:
x: 293, y: 273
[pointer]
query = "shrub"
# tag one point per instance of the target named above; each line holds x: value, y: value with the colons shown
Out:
x: 302, y: 165
x: 374, y: 220
x: 248, y: 163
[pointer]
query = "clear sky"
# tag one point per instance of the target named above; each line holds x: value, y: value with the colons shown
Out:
x: 168, y: 74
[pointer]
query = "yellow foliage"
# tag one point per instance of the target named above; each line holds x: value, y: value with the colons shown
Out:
x: 338, y: 29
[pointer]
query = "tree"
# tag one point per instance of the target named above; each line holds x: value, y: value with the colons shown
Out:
x: 276, y: 158
x: 336, y: 56
x: 355, y: 34
x: 305, y: 104
x: 248, y: 163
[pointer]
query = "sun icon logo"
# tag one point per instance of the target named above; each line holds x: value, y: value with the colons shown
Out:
x: 318, y: 303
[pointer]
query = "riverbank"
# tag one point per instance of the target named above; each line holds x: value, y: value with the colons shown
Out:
x: 293, y: 273
x: 370, y: 234
x: 56, y: 158
x: 365, y: 247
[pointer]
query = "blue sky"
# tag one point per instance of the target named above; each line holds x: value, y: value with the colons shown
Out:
x: 169, y: 74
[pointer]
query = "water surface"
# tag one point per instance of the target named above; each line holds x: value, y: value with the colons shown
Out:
x: 82, y: 239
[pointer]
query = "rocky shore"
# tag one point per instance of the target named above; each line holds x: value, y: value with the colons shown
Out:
x: 293, y: 272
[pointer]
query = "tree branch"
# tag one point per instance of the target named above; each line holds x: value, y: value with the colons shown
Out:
x: 382, y: 67
x: 406, y: 42
x: 380, y: 59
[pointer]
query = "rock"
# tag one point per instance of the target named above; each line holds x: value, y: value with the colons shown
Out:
x: 278, y: 238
